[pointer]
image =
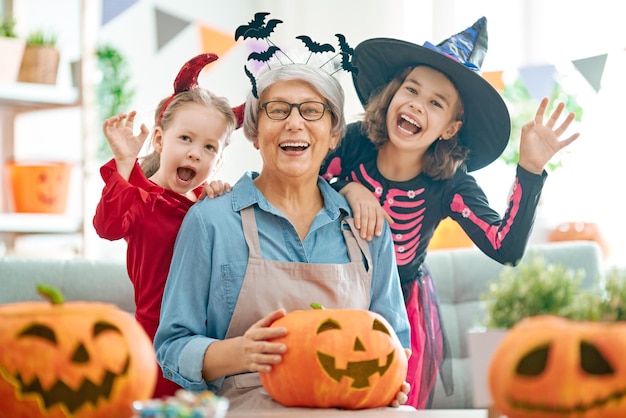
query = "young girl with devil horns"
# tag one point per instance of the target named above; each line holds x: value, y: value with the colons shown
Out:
x: 145, y: 204
x: 430, y: 118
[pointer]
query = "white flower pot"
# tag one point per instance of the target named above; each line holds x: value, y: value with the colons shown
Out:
x: 481, y: 345
x: 11, y: 51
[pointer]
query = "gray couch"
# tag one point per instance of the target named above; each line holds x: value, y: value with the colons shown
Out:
x: 461, y: 277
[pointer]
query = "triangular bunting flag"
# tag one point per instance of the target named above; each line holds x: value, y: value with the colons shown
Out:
x: 113, y: 8
x: 495, y: 79
x: 538, y: 80
x: 215, y: 41
x: 592, y: 69
x: 167, y: 27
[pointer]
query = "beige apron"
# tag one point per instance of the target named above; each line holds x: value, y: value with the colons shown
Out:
x: 269, y: 285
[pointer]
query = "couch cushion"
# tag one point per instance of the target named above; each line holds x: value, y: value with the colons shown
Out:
x: 78, y: 279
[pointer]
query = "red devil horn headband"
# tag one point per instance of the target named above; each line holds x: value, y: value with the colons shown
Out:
x: 187, y: 79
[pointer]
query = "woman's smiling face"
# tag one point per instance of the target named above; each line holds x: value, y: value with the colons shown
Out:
x: 294, y: 147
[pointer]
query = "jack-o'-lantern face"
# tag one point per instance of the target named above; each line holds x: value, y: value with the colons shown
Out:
x: 344, y: 358
x: 49, y: 185
x: 549, y: 366
x: 362, y: 364
x: 72, y: 360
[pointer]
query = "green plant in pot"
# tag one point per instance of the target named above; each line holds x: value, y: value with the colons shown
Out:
x: 11, y: 50
x: 7, y: 27
x: 536, y: 287
x: 40, y: 62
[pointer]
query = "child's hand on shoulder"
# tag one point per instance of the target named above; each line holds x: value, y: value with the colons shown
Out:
x: 369, y: 216
x: 213, y: 189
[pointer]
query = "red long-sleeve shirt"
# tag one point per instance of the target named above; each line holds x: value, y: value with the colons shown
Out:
x: 148, y: 217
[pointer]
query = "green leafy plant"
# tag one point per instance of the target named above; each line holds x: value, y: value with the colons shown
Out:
x: 522, y: 107
x: 41, y: 38
x: 537, y: 287
x: 7, y: 27
x: 533, y: 287
x: 114, y: 92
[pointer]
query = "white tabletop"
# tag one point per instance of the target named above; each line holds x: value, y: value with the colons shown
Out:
x: 365, y: 413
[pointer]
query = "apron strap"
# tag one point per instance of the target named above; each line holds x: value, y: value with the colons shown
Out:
x: 354, y: 242
x: 248, y: 220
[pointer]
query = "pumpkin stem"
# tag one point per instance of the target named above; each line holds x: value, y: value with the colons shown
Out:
x: 316, y: 306
x: 50, y: 293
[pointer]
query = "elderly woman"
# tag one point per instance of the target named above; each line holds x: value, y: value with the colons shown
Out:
x: 274, y: 244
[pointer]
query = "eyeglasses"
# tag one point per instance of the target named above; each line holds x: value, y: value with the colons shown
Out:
x: 279, y: 110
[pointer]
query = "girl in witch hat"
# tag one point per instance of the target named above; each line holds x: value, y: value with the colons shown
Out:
x: 430, y: 119
x: 145, y: 205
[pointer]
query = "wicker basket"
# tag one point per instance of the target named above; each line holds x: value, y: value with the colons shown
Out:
x: 40, y: 64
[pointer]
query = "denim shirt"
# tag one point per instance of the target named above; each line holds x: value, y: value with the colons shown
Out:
x: 210, y: 260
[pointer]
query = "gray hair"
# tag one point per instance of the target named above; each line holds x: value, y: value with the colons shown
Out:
x: 321, y: 81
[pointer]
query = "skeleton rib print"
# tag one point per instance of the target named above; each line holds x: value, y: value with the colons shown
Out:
x: 407, y: 210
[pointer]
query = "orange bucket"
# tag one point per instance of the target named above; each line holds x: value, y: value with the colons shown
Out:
x: 39, y: 187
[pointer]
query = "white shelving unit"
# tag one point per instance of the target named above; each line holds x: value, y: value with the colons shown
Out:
x: 15, y: 99
x: 20, y: 98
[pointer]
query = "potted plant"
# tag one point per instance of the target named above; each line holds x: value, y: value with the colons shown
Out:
x: 11, y: 50
x: 536, y: 287
x: 40, y: 62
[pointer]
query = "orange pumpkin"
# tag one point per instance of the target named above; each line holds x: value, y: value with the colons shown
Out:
x: 74, y: 359
x: 580, y: 231
x: 548, y: 366
x: 346, y: 358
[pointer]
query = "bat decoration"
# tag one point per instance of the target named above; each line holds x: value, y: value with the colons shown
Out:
x: 257, y: 28
x: 257, y: 22
x: 265, y: 55
x: 187, y: 77
x: 343, y: 45
x: 314, y: 47
x: 346, y: 64
x: 252, y: 81
x: 262, y: 32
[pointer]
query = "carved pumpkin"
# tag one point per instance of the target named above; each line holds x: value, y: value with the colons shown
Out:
x: 580, y: 231
x: 346, y: 358
x: 548, y: 366
x: 74, y: 359
x: 39, y: 187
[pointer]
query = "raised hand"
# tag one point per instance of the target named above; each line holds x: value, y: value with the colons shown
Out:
x: 125, y: 146
x: 540, y: 141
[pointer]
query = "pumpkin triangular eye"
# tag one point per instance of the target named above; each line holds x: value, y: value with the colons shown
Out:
x: 379, y: 326
x: 533, y: 363
x: 592, y: 361
x: 328, y: 325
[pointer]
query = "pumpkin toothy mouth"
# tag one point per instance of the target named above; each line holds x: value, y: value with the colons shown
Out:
x: 72, y: 399
x: 566, y: 410
x: 359, y: 371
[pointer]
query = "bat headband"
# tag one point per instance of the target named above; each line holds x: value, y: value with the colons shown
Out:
x: 486, y: 121
x: 187, y: 79
x: 257, y: 28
